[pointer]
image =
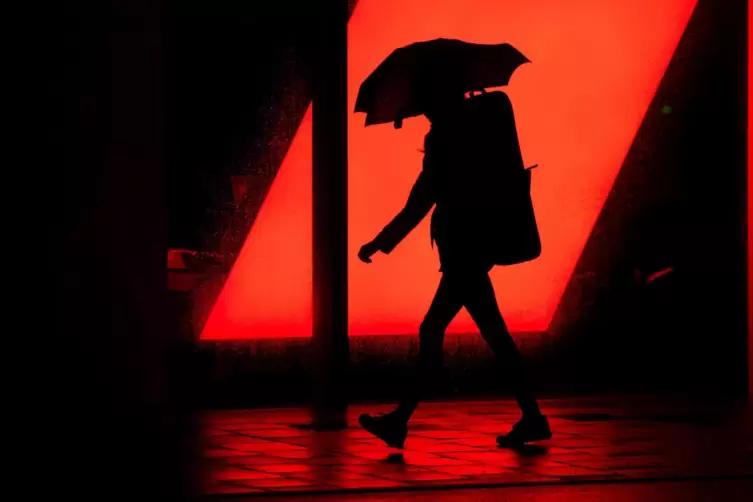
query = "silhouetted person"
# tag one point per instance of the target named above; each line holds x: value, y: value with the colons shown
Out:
x: 448, y: 182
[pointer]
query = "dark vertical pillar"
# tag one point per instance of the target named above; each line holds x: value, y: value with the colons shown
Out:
x: 106, y: 385
x: 330, y: 225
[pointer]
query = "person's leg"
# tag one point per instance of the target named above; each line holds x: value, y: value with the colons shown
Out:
x: 481, y: 302
x: 443, y: 309
x: 392, y: 427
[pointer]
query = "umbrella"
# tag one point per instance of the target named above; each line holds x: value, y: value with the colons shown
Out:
x: 390, y: 92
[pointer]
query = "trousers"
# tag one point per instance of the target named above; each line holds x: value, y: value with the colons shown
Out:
x: 472, y: 289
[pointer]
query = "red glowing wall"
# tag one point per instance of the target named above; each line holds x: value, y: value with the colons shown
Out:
x: 595, y: 68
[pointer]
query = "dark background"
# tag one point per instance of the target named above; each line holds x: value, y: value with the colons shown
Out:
x: 237, y: 83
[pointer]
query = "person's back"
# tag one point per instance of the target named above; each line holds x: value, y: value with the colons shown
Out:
x: 444, y: 162
x: 463, y: 166
x: 478, y: 177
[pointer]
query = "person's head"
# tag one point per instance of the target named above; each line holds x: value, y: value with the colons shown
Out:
x: 438, y: 102
x: 436, y: 97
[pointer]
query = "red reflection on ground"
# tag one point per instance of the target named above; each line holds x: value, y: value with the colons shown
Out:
x: 455, y: 445
x: 596, y: 66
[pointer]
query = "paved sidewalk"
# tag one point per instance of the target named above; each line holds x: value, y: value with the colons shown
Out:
x: 453, y: 445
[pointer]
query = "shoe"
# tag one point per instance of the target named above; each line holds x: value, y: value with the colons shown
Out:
x: 526, y: 431
x: 388, y: 427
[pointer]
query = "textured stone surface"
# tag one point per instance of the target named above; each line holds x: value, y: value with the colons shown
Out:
x: 453, y: 445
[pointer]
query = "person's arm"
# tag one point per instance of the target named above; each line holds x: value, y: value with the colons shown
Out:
x: 418, y: 206
x: 420, y: 202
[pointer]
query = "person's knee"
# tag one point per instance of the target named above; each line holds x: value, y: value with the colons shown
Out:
x: 500, y: 341
x: 429, y: 332
x: 430, y: 337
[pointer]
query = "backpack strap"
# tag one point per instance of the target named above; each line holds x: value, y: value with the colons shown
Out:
x: 479, y: 91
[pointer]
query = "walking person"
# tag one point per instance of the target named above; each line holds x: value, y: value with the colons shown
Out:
x: 474, y: 178
x: 461, y: 234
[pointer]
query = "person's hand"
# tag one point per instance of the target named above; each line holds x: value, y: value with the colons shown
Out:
x: 367, y: 251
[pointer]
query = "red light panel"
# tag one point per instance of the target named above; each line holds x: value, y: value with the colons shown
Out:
x: 595, y: 68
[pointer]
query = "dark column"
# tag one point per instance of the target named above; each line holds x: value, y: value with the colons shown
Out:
x: 330, y: 225
x: 106, y: 387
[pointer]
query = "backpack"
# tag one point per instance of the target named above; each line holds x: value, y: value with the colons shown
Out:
x: 511, y: 234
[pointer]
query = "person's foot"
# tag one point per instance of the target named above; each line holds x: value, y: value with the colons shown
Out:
x: 528, y: 429
x: 390, y: 428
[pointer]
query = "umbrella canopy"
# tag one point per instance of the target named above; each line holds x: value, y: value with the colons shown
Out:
x: 392, y: 92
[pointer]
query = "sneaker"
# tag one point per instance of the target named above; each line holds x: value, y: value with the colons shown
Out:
x: 526, y: 431
x: 388, y: 427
